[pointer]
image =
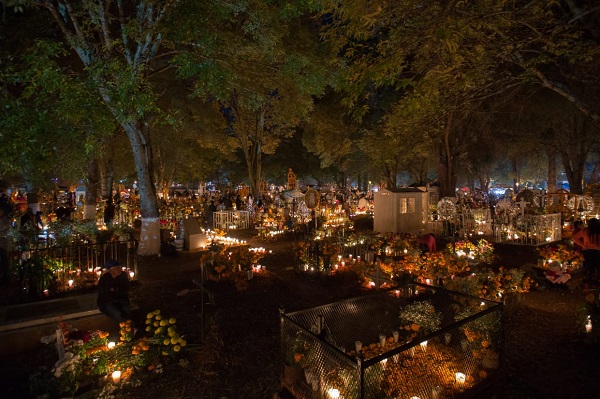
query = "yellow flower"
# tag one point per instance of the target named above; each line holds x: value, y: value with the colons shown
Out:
x: 177, y: 348
x: 148, y: 328
x: 182, y: 342
x: 166, y: 342
x: 172, y: 320
x: 174, y: 340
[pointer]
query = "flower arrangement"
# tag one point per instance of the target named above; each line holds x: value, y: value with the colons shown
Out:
x: 231, y: 264
x: 562, y: 253
x: 481, y: 252
x: 492, y: 285
x: 432, y: 265
x: 164, y: 333
x: 88, y: 353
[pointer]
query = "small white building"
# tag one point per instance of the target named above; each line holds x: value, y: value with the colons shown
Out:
x: 400, y: 210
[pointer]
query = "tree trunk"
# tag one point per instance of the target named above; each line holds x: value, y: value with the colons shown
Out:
x: 142, y: 156
x: 516, y: 175
x: 595, y: 176
x: 446, y: 162
x: 551, y: 170
x: 106, y: 179
x: 91, y: 190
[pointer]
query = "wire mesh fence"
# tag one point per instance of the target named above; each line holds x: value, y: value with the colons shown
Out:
x: 415, y: 341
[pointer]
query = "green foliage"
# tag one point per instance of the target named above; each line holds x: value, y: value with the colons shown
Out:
x: 423, y: 314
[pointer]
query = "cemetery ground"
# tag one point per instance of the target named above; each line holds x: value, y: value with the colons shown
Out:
x: 547, y: 352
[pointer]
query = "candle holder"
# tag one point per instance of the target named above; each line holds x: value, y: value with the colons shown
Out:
x: 358, y: 346
x: 382, y: 339
x: 116, y: 376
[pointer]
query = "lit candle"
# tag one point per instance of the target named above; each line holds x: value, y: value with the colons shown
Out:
x: 382, y: 339
x: 424, y: 346
x: 396, y: 335
x: 358, y: 346
x: 131, y: 274
x: 111, y: 345
x: 70, y: 283
x: 588, y: 325
x: 116, y: 376
x: 415, y: 397
x: 333, y: 393
x: 460, y: 378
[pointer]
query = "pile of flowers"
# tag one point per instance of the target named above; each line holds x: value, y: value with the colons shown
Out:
x: 481, y: 252
x: 492, y: 285
x: 561, y: 253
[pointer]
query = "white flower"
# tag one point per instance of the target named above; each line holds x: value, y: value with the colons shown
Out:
x: 48, y: 339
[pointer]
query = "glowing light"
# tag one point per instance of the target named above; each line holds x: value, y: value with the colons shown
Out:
x: 116, y: 376
x: 424, y: 346
x: 70, y: 282
x: 111, y: 345
x: 333, y: 393
x: 588, y: 325
x: 460, y: 378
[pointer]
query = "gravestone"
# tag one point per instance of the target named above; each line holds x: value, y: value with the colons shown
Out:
x: 192, y: 235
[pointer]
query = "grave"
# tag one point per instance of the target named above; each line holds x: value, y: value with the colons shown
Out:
x: 193, y: 237
x: 23, y: 326
x: 410, y: 341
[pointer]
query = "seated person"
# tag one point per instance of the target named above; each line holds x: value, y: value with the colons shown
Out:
x: 113, y: 292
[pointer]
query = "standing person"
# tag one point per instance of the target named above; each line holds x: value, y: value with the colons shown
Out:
x: 109, y: 212
x: 5, y: 245
x: 210, y: 213
x: 578, y: 225
x: 589, y: 240
x: 113, y: 292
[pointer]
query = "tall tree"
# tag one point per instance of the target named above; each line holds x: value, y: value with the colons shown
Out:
x: 116, y: 43
x: 447, y: 57
x: 264, y: 79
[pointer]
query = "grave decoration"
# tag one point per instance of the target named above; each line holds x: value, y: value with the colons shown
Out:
x: 424, y: 342
x: 233, y: 264
x: 89, y: 364
x: 381, y: 266
x: 559, y: 261
x: 565, y: 254
x: 481, y: 251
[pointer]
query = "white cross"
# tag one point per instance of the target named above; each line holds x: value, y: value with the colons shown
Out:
x: 522, y: 204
